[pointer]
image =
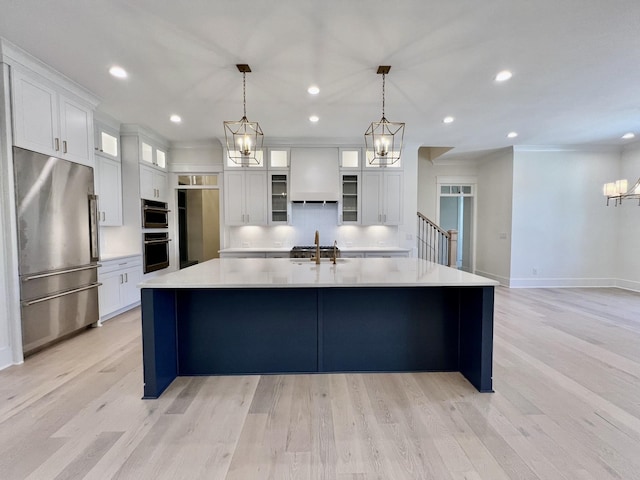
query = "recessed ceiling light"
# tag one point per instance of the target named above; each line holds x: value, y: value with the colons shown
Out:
x: 447, y: 120
x: 313, y: 90
x: 512, y: 134
x: 175, y: 118
x: 629, y: 135
x: 503, y: 76
x: 118, y: 72
x: 314, y: 118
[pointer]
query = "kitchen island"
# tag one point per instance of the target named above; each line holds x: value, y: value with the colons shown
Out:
x: 280, y: 315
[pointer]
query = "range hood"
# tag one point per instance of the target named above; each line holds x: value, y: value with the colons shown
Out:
x: 315, y: 175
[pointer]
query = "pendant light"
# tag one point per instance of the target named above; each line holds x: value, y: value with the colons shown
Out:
x: 383, y: 139
x: 244, y: 138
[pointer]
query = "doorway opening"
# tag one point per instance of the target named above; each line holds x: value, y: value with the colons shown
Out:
x: 457, y: 213
x: 198, y: 219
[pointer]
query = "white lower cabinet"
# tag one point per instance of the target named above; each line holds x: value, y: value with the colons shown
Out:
x: 344, y: 254
x: 278, y: 254
x: 386, y: 254
x: 242, y: 254
x: 119, y: 290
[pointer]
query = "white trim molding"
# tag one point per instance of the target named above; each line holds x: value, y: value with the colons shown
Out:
x: 561, y: 282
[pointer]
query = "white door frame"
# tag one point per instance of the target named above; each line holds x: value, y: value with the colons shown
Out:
x: 466, y: 180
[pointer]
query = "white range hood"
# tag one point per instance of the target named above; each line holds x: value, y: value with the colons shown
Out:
x: 315, y: 175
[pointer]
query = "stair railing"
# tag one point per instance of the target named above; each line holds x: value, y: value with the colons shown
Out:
x: 435, y: 244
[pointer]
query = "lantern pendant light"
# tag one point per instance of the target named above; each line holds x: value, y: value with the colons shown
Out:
x: 383, y: 139
x: 244, y: 138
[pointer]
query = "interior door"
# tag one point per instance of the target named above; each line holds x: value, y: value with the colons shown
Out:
x: 456, y: 213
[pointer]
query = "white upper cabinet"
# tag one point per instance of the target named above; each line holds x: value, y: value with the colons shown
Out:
x: 149, y: 151
x: 50, y: 122
x: 245, y: 197
x: 107, y: 141
x: 108, y: 175
x: 153, y: 184
x: 278, y: 159
x: 382, y: 197
x: 152, y: 154
x: 350, y: 159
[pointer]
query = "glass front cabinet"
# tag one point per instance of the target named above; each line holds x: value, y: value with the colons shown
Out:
x: 350, y: 185
x: 278, y: 198
x: 350, y: 189
x: 278, y: 180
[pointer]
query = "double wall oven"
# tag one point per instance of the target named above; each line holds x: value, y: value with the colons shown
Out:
x: 155, y: 235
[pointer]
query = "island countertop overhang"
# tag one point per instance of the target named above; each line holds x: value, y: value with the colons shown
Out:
x: 298, y: 273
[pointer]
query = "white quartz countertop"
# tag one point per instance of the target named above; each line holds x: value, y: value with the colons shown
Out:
x: 107, y: 257
x: 255, y: 250
x: 300, y: 273
x: 288, y: 249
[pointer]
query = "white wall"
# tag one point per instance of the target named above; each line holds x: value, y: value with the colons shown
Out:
x: 201, y: 157
x: 427, y: 194
x: 628, y: 261
x: 495, y: 216
x: 563, y: 234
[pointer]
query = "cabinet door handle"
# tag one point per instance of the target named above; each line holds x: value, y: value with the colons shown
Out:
x: 57, y: 142
x: 384, y: 217
x: 64, y: 146
x: 121, y: 279
x: 126, y: 278
x: 103, y: 216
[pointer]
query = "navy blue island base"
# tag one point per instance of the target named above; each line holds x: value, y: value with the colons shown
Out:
x: 238, y: 331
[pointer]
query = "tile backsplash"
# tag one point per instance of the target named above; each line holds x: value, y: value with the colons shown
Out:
x: 306, y: 218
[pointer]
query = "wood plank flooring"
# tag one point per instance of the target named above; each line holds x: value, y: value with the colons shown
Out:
x: 566, y: 406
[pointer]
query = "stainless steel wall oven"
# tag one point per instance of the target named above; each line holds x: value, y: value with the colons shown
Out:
x: 156, y: 251
x: 154, y: 214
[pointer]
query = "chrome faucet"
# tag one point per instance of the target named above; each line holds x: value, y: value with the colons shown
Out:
x: 335, y: 251
x: 317, y: 241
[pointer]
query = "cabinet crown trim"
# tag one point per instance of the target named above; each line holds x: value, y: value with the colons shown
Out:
x: 21, y: 60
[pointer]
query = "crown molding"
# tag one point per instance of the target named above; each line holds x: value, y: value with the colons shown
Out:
x: 21, y: 60
x: 567, y: 148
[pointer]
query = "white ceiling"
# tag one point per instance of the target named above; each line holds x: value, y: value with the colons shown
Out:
x: 576, y: 65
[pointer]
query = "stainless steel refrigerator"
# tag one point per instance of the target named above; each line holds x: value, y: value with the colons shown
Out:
x: 58, y: 247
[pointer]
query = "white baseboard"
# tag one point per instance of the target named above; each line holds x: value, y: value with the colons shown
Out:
x: 628, y: 285
x: 561, y: 282
x: 504, y: 281
x: 118, y: 312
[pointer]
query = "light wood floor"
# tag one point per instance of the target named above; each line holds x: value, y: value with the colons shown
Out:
x: 566, y: 406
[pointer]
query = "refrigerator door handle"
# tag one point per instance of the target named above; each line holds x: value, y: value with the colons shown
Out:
x: 60, y: 272
x: 58, y: 295
x: 93, y: 228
